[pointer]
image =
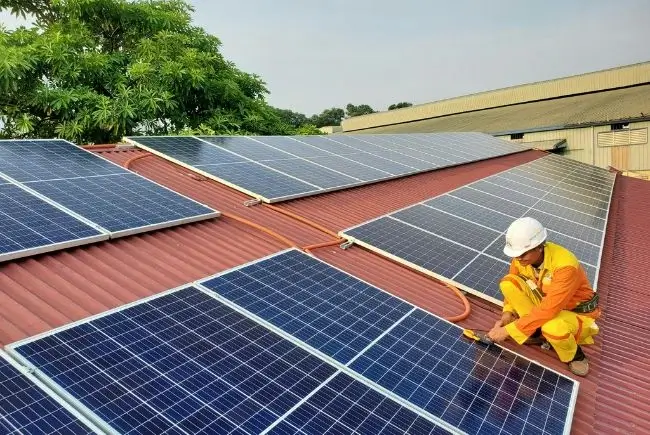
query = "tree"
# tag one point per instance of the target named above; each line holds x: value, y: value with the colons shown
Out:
x: 332, y: 116
x: 399, y: 105
x: 96, y: 70
x: 362, y: 109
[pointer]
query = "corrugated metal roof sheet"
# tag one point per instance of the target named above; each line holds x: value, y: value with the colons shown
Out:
x: 39, y: 293
x: 620, y: 104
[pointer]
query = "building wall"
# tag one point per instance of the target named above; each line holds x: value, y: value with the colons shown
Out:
x: 591, y: 82
x: 602, y: 146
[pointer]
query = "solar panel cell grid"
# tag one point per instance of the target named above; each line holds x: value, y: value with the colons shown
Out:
x: 190, y: 150
x: 26, y: 160
x: 26, y: 409
x: 258, y: 178
x: 345, y: 405
x: 312, y: 173
x: 448, y: 226
x: 479, y: 389
x: 348, y: 166
x: 28, y: 222
x: 476, y: 217
x: 484, y: 273
x: 122, y: 202
x: 292, y: 146
x: 414, y: 245
x: 329, y: 310
x: 181, y: 363
x: 359, y: 159
x: 461, y: 208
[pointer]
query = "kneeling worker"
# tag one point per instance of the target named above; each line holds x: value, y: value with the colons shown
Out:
x: 546, y: 293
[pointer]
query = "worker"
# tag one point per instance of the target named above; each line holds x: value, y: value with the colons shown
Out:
x: 546, y: 296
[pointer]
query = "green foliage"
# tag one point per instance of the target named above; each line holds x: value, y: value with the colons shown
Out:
x: 399, y: 105
x: 332, y: 116
x: 96, y: 70
x: 362, y: 109
x: 308, y: 129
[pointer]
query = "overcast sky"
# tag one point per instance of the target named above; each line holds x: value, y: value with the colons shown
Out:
x: 316, y: 55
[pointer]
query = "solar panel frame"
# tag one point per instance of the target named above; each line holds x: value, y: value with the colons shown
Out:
x: 12, y: 349
x: 48, y: 393
x: 101, y: 235
x: 120, y: 172
x: 323, y: 154
x: 19, y: 178
x: 347, y: 367
x: 591, y: 269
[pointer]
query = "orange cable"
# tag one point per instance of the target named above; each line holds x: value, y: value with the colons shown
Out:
x: 322, y: 245
x: 467, y: 307
x: 130, y: 161
x: 261, y: 228
x: 302, y: 219
x: 308, y: 249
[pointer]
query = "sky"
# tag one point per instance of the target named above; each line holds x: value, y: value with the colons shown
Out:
x: 317, y: 55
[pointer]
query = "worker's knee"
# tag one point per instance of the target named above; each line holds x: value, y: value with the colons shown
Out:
x: 556, y: 329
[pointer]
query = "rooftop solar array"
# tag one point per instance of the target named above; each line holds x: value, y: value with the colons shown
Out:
x: 277, y: 168
x: 459, y: 236
x: 272, y: 347
x: 55, y: 195
x: 27, y: 407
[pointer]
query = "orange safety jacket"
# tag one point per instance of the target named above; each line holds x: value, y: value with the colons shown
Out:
x: 563, y: 285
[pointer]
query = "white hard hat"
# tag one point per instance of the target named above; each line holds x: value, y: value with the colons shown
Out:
x: 523, y: 235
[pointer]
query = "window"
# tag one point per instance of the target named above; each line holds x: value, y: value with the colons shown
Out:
x: 516, y: 136
x: 620, y: 126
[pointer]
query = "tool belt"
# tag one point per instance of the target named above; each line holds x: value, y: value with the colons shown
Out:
x: 587, y: 307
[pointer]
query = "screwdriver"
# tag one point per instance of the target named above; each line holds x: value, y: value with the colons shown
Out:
x: 480, y: 336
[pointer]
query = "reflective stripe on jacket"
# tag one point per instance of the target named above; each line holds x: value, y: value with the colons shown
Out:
x: 563, y: 284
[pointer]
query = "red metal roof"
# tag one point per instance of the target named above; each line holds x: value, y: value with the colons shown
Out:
x: 43, y: 292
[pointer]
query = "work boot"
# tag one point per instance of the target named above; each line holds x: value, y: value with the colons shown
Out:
x: 579, y: 368
x: 580, y: 364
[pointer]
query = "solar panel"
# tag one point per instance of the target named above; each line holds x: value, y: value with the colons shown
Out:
x: 44, y: 159
x: 28, y: 407
x: 345, y: 405
x: 477, y: 389
x: 179, y: 363
x: 458, y: 236
x: 90, y: 188
x: 29, y: 225
x: 123, y: 204
x: 407, y: 358
x: 325, y: 308
x: 191, y: 361
x: 277, y: 168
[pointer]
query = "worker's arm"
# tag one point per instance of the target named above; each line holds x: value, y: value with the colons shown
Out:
x: 566, y: 282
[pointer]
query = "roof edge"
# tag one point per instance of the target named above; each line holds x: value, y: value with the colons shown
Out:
x: 596, y: 81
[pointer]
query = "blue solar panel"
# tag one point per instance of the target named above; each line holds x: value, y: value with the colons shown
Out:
x: 479, y: 389
x: 184, y: 362
x: 190, y: 150
x: 254, y: 177
x: 27, y: 409
x: 325, y: 308
x: 122, y: 202
x: 459, y: 235
x: 179, y: 363
x: 29, y: 225
x: 345, y: 405
x: 244, y: 162
x: 30, y: 160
